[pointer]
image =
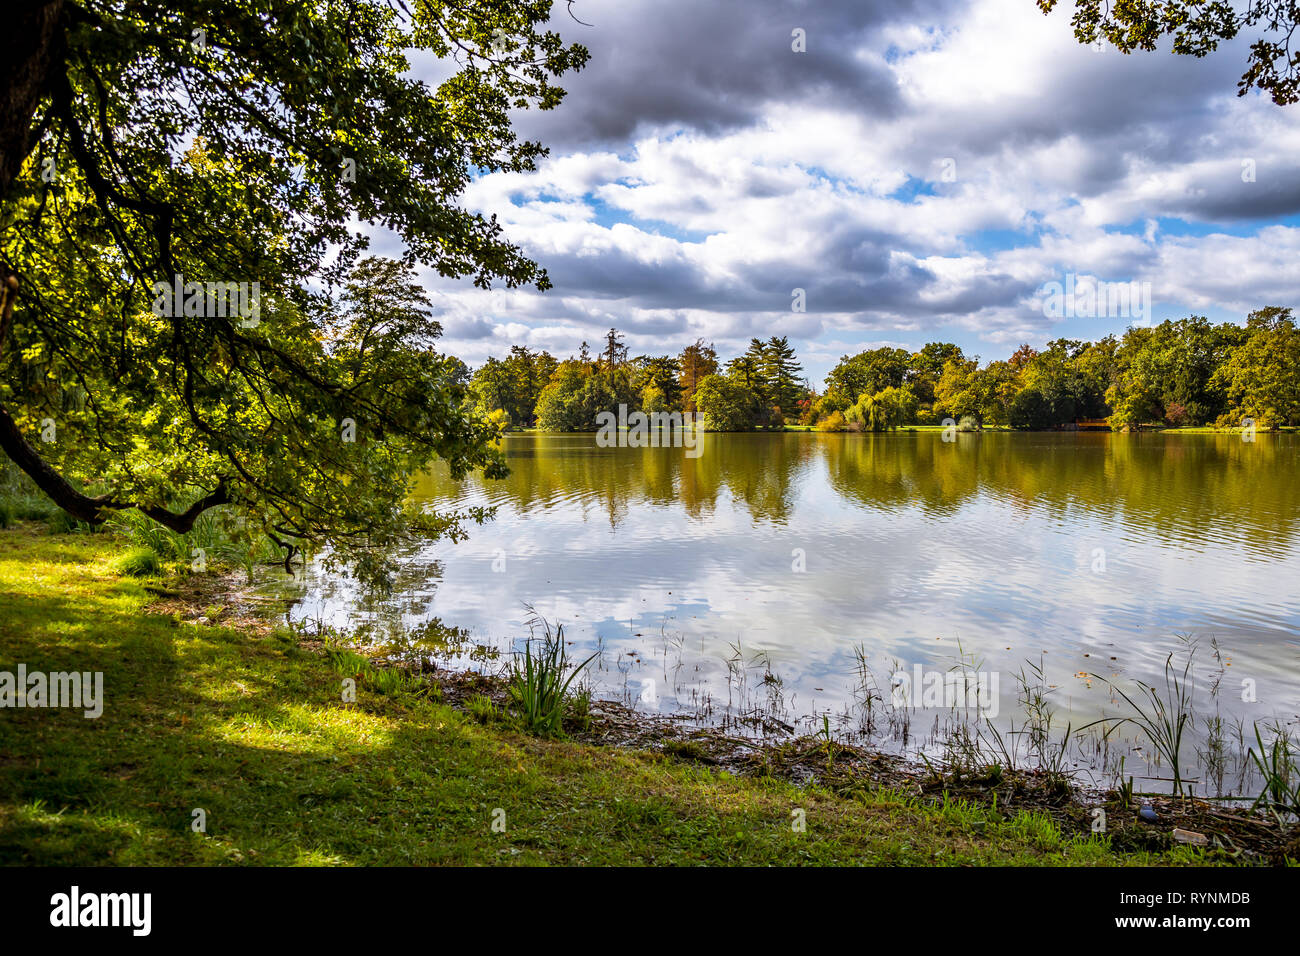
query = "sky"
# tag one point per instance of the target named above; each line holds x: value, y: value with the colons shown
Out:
x: 922, y: 171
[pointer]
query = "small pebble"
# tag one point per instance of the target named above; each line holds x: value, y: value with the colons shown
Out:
x: 1147, y: 813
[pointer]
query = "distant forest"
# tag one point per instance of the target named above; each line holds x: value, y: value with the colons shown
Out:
x: 1184, y: 372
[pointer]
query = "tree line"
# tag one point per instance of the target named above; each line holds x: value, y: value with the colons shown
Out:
x: 761, y: 388
x: 1181, y: 372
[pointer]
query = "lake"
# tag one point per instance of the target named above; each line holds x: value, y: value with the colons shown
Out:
x: 795, y: 576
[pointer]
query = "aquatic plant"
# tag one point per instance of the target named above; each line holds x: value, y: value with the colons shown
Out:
x: 1163, y: 718
x: 1280, y: 771
x: 539, y: 682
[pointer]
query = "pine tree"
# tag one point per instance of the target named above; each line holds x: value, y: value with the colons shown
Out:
x: 615, y: 351
x: 782, y: 374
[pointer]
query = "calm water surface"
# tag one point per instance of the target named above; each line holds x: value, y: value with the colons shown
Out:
x: 799, y: 555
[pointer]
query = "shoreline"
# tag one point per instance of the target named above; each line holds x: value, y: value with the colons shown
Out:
x: 1149, y: 429
x: 209, y: 708
x: 812, y: 760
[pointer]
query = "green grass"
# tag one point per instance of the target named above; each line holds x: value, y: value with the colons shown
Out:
x: 138, y: 562
x: 254, y: 731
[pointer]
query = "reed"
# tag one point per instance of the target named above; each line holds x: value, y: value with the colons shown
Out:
x: 1163, y: 716
x: 539, y: 682
x: 1277, y: 766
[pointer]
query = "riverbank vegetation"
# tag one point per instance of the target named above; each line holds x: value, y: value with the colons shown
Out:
x: 223, y: 741
x: 1183, y: 373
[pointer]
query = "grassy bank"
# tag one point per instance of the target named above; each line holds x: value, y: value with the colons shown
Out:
x: 250, y: 727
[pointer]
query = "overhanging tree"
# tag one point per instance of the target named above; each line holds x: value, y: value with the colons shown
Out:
x: 244, y: 141
x: 1196, y: 28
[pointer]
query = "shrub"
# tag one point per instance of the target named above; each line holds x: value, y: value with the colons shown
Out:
x: 138, y: 562
x: 888, y: 408
x: 1264, y: 421
x: 834, y: 422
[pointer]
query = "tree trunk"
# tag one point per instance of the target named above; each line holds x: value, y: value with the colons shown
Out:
x: 29, y: 47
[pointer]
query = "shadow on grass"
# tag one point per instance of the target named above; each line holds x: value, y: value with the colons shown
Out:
x: 253, y: 731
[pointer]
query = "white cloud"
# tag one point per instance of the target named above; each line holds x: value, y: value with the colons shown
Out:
x: 699, y: 222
